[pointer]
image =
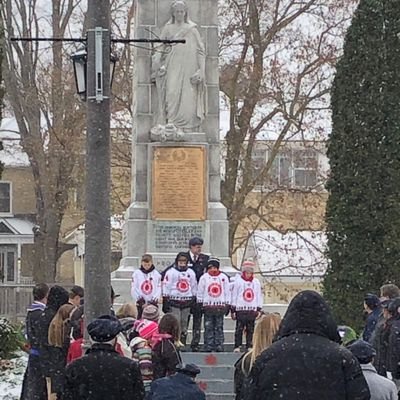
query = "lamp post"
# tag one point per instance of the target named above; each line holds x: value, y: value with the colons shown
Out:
x: 97, y: 205
x: 79, y: 61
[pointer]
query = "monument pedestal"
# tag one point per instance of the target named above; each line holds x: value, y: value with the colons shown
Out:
x: 175, y: 171
x: 178, y: 211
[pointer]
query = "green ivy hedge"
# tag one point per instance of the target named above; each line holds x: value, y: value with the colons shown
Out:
x: 11, y: 338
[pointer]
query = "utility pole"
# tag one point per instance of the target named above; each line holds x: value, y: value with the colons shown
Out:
x: 97, y: 225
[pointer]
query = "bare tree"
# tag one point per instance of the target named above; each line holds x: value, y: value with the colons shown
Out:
x: 1, y: 82
x: 122, y: 117
x: 278, y: 60
x: 51, y: 121
x: 1, y: 69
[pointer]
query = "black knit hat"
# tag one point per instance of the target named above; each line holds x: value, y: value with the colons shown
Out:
x: 213, y: 262
x: 181, y: 254
x: 104, y: 328
x: 363, y: 351
x: 372, y: 301
x: 57, y: 297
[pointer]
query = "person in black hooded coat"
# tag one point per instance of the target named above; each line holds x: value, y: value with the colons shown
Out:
x: 306, y: 361
x: 57, y: 297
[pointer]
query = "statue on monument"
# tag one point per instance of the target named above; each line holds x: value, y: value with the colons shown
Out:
x: 179, y: 73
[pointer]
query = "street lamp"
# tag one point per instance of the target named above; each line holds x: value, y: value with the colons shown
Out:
x: 79, y: 61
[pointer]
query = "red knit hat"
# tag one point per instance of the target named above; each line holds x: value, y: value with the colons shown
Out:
x: 248, y: 266
x: 147, y: 329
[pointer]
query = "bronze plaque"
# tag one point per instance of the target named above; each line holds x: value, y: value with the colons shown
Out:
x: 179, y: 184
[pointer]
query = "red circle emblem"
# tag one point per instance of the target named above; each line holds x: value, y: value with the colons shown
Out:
x: 215, y: 290
x: 183, y: 285
x: 248, y: 295
x: 146, y: 287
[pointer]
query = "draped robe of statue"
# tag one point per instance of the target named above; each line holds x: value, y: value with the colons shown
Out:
x: 180, y: 85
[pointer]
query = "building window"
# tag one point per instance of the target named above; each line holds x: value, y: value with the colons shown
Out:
x: 295, y: 168
x: 5, y: 197
x: 258, y: 161
x: 8, y: 264
x: 304, y: 168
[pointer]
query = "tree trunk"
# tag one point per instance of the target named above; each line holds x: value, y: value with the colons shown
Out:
x: 45, y: 254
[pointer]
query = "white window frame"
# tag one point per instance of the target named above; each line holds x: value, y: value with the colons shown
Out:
x: 4, y: 250
x: 290, y: 154
x: 262, y: 154
x: 305, y: 168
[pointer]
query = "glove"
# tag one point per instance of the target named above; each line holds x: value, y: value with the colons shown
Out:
x: 140, y: 302
x: 166, y: 307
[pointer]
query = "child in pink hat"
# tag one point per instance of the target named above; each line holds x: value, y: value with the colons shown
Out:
x: 141, y: 347
x: 246, y: 304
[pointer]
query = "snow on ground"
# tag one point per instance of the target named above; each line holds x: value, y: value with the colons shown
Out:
x: 11, y: 378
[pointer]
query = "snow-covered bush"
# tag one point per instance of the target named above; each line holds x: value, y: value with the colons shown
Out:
x: 11, y: 339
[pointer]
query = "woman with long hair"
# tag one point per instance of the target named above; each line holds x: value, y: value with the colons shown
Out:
x: 264, y: 332
x: 59, y: 328
x: 165, y: 345
x: 59, y: 339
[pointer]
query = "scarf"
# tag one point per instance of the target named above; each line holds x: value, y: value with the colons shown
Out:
x: 147, y: 271
x: 249, y: 279
x: 158, y: 337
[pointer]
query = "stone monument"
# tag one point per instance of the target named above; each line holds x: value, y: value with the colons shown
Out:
x: 176, y: 149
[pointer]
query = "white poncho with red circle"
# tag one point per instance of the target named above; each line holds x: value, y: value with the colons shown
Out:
x: 213, y: 291
x: 246, y: 295
x: 180, y: 285
x: 146, y: 286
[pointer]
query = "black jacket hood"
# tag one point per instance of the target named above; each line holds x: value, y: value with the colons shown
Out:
x: 309, y: 313
x: 57, y: 297
x: 181, y: 254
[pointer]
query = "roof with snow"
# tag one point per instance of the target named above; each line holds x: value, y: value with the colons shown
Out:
x: 16, y: 230
x: 12, y: 154
x: 293, y: 254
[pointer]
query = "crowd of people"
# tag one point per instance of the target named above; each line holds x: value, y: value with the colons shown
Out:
x: 193, y: 287
x: 135, y: 353
x: 125, y: 354
x: 307, y: 356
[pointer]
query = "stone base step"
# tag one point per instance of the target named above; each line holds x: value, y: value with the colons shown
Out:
x: 228, y: 348
x: 216, y: 385
x: 229, y: 336
x: 211, y: 359
x: 217, y: 372
x: 216, y: 376
x: 220, y: 396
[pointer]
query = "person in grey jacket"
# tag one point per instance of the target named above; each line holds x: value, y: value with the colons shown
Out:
x: 380, y: 388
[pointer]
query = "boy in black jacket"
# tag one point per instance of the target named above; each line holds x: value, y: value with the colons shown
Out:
x: 34, y: 382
